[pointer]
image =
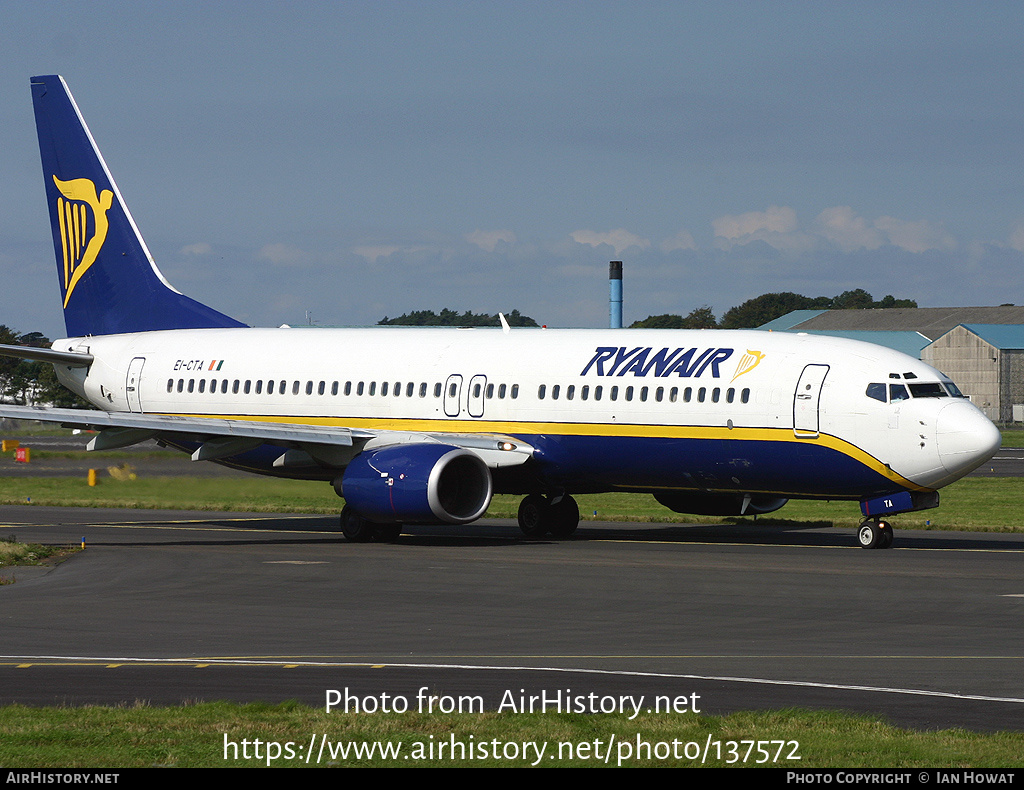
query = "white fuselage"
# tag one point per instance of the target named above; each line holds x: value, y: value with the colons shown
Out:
x: 705, y: 410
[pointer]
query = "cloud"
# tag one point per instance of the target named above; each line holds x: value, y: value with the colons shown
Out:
x: 619, y: 239
x: 372, y: 252
x: 283, y: 255
x: 489, y: 239
x: 919, y: 236
x: 1017, y: 236
x: 199, y: 248
x: 681, y: 241
x: 848, y: 232
x: 776, y: 226
x: 776, y: 219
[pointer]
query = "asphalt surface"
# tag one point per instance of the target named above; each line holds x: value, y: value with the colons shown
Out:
x: 169, y: 607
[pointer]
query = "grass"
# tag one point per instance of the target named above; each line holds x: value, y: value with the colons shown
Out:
x: 15, y: 553
x: 974, y: 503
x: 195, y: 736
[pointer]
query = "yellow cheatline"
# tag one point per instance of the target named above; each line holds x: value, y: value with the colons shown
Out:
x: 783, y: 435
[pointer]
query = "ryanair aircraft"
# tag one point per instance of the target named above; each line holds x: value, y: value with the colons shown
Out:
x: 415, y: 426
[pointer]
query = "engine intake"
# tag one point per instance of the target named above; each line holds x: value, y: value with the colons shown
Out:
x: 417, y: 484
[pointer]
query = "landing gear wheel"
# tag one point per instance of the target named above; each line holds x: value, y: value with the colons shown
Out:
x: 355, y: 527
x: 565, y: 517
x: 868, y: 535
x: 534, y: 516
x: 875, y: 535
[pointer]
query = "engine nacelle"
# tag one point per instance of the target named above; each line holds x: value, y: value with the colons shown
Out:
x: 417, y: 484
x: 721, y: 504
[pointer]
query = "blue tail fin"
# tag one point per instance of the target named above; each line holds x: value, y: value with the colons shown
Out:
x: 108, y: 279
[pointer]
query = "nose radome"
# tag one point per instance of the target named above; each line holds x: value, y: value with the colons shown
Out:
x: 965, y: 437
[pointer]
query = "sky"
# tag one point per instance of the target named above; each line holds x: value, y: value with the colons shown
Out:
x: 338, y: 162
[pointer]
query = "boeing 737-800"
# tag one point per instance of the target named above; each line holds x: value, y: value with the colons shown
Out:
x: 417, y: 426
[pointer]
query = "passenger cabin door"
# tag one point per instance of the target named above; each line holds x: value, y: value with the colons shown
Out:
x: 131, y: 385
x: 806, y: 400
x: 453, y: 395
x: 475, y: 399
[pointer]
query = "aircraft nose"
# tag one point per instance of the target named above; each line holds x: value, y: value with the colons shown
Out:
x: 965, y: 437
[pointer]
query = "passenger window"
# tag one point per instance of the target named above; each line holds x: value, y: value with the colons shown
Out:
x: 234, y: 387
x: 409, y: 388
x: 659, y: 394
x: 876, y: 391
x: 373, y: 389
x: 515, y: 391
x: 687, y: 394
x: 259, y: 386
x: 541, y: 391
x: 716, y: 393
x: 570, y: 391
x: 629, y: 393
x: 673, y: 394
x: 359, y: 388
x: 309, y: 387
x: 191, y: 385
x: 501, y: 391
x: 745, y: 395
x: 248, y: 386
x: 437, y: 390
x: 614, y: 395
x: 730, y: 395
x: 554, y: 392
x: 348, y: 388
x: 643, y: 394
x: 701, y: 394
x: 423, y: 389
x: 334, y: 388
x: 202, y: 385
x: 170, y: 385
x: 321, y: 387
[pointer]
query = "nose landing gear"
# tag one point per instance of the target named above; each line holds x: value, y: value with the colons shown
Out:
x: 874, y: 534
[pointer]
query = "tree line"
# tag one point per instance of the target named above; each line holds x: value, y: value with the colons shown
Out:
x: 25, y: 382
x: 767, y: 307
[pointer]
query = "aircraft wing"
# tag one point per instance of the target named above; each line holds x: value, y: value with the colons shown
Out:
x: 219, y: 438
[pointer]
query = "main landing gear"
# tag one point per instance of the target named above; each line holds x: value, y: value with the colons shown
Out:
x: 874, y: 534
x: 359, y: 530
x: 539, y: 515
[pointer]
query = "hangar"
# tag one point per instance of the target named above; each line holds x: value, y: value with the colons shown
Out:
x: 980, y: 348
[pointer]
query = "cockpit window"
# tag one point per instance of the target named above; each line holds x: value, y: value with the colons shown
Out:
x: 953, y: 389
x: 898, y: 392
x: 876, y: 391
x: 927, y: 390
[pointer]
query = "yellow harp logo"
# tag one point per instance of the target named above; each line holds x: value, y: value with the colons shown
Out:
x: 82, y: 215
x: 747, y: 363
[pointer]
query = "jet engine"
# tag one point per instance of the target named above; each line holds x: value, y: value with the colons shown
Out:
x: 721, y: 504
x: 417, y: 484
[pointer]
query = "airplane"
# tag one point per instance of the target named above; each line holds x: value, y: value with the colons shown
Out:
x: 424, y: 425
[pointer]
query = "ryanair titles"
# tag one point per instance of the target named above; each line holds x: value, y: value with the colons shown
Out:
x: 640, y: 361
